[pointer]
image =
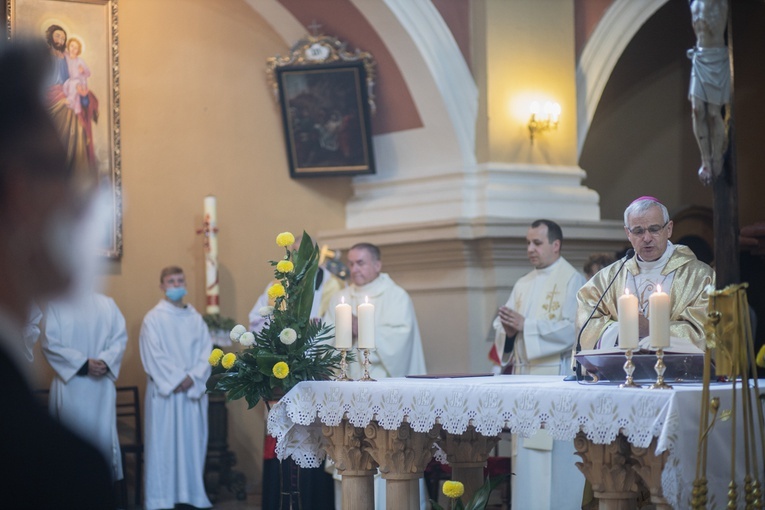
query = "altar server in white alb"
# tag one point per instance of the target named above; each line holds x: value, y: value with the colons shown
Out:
x: 84, y: 342
x: 535, y: 335
x: 175, y: 345
x: 398, y: 346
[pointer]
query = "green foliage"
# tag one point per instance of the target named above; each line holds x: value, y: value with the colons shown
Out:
x: 310, y: 357
x: 217, y: 321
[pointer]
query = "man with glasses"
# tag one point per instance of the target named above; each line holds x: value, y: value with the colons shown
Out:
x: 657, y: 262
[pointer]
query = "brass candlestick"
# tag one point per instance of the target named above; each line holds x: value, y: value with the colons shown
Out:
x: 343, y: 367
x: 629, y: 369
x: 660, y: 368
x: 365, y: 364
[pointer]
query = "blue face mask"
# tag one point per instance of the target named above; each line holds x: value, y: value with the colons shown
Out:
x: 175, y: 293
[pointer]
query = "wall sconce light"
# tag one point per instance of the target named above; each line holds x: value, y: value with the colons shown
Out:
x: 543, y: 121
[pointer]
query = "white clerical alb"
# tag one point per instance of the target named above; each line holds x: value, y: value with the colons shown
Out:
x: 175, y: 343
x: 91, y: 327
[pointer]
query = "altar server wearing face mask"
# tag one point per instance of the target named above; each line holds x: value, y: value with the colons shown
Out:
x: 175, y: 346
x: 43, y: 464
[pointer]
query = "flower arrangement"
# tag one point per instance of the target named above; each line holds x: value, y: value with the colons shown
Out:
x: 291, y: 347
x: 454, y: 491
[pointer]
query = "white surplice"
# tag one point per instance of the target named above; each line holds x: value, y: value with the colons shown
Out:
x: 90, y: 327
x: 175, y: 342
x: 546, y: 476
x: 398, y: 347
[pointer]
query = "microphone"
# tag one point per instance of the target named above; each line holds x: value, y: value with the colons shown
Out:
x: 630, y: 253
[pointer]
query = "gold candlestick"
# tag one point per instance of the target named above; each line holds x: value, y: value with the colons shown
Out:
x: 365, y: 364
x: 629, y: 369
x: 343, y: 367
x: 660, y: 368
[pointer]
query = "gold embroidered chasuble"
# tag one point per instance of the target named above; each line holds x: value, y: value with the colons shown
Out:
x: 688, y: 300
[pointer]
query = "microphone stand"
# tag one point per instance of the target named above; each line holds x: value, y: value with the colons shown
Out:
x: 630, y: 253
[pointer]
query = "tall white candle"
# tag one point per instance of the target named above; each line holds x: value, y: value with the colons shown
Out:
x: 343, y: 321
x: 658, y: 318
x: 366, y: 313
x: 628, y: 320
x: 212, y: 290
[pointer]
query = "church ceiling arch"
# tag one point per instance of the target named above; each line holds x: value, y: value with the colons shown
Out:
x: 621, y: 21
x: 423, y: 80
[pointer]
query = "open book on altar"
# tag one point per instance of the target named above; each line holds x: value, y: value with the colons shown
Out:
x: 684, y: 362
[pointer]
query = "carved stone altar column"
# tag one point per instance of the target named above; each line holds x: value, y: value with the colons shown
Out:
x: 467, y: 454
x: 345, y: 445
x: 610, y: 470
x: 402, y: 455
x: 649, y: 467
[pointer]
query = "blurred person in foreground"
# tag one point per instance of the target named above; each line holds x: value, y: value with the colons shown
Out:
x: 44, y: 465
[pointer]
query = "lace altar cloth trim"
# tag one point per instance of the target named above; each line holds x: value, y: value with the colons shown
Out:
x: 521, y: 404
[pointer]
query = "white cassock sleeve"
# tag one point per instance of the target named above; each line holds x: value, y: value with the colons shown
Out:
x: 200, y: 372
x: 547, y: 337
x: 394, y: 332
x: 115, y: 346
x: 65, y: 360
x: 158, y: 362
x: 174, y: 346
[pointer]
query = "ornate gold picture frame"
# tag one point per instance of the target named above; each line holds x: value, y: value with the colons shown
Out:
x: 84, y: 98
x: 326, y: 99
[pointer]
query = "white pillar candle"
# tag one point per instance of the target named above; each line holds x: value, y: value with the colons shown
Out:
x: 366, y: 314
x: 212, y: 289
x: 343, y: 321
x: 658, y: 318
x: 628, y: 320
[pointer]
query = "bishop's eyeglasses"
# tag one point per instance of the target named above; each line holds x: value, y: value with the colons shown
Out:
x: 653, y: 230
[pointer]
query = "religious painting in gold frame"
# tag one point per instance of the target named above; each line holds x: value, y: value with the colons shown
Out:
x: 326, y: 99
x: 84, y: 97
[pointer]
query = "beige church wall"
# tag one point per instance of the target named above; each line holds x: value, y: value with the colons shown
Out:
x: 529, y: 56
x: 198, y: 118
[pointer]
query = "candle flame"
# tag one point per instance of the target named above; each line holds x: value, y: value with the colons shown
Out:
x: 626, y: 291
x: 366, y: 299
x: 342, y: 300
x: 658, y: 288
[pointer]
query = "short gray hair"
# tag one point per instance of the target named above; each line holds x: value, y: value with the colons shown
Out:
x: 641, y: 205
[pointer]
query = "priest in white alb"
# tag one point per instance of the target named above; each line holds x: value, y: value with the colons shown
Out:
x: 84, y: 340
x: 175, y: 346
x: 534, y: 334
x: 398, y: 347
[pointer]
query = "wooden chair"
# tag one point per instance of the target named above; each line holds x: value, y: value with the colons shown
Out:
x: 129, y: 429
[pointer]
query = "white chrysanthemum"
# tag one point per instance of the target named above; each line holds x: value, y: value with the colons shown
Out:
x: 247, y: 339
x: 237, y: 332
x: 265, y: 311
x: 288, y: 336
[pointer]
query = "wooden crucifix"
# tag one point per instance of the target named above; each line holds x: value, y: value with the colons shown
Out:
x: 711, y: 94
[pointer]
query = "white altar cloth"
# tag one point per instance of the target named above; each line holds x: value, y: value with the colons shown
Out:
x: 522, y: 404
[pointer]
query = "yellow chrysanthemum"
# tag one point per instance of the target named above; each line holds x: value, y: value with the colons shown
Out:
x: 215, y: 357
x: 276, y: 290
x: 453, y: 489
x: 761, y: 357
x: 281, y: 370
x: 285, y: 266
x: 285, y: 239
x: 228, y: 360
